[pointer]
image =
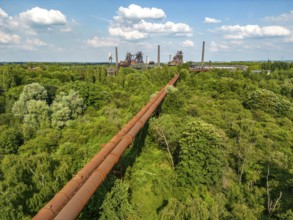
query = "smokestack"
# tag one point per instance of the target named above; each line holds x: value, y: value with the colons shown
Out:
x: 116, y: 50
x: 202, y: 57
x: 159, y: 55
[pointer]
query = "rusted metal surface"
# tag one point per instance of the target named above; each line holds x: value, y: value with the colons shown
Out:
x: 70, y: 200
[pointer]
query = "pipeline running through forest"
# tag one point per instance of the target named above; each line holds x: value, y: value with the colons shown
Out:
x: 71, y: 199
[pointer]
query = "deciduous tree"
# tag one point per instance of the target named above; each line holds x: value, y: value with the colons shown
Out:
x: 201, y: 157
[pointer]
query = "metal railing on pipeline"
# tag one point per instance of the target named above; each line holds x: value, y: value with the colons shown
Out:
x: 71, y: 199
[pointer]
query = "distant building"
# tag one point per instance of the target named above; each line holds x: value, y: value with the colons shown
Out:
x: 177, y: 59
x: 194, y: 67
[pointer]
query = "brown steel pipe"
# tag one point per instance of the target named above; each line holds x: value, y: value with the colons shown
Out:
x: 61, y: 198
x: 84, y: 184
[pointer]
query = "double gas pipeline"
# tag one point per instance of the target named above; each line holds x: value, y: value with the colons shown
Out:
x: 71, y: 199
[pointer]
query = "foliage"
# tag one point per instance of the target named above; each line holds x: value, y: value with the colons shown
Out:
x: 174, y: 101
x: 269, y: 102
x: 2, y: 104
x: 151, y: 180
x: 276, y: 65
x: 184, y: 74
x: 37, y: 117
x: 30, y: 92
x: 165, y: 131
x: 194, y: 207
x: 221, y: 129
x: 95, y: 95
x: 8, y: 78
x: 116, y: 204
x: 10, y: 140
x: 201, y: 158
x: 27, y: 181
x: 65, y: 108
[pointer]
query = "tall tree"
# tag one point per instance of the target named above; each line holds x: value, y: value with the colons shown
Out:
x: 201, y: 157
x: 32, y: 91
x: 37, y: 117
x: 66, y: 107
x: 116, y: 204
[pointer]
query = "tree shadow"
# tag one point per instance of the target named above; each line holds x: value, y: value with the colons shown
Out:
x: 164, y: 204
x: 280, y: 180
x: 135, y: 149
x: 284, y: 184
x: 92, y: 209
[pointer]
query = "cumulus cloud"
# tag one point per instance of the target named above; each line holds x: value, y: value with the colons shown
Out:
x: 8, y: 38
x: 135, y: 23
x: 134, y: 11
x: 289, y: 39
x: 3, y: 13
x: 238, y: 46
x: 21, y: 30
x: 187, y: 43
x: 101, y: 42
x: 33, y: 44
x: 168, y: 27
x: 36, y: 42
x: 40, y: 16
x: 215, y: 47
x: 208, y: 20
x: 30, y: 21
x: 285, y: 17
x: 4, y: 19
x: 238, y: 32
x: 127, y: 33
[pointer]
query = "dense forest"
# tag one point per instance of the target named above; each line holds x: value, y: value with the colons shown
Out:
x: 221, y: 147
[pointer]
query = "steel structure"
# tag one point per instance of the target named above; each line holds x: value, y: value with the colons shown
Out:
x: 202, y: 56
x: 139, y: 57
x: 71, y: 199
x: 177, y: 59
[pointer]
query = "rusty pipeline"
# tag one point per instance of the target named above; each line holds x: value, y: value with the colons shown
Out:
x: 70, y: 200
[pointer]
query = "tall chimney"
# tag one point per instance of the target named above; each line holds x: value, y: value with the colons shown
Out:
x: 116, y: 50
x: 159, y: 55
x: 202, y: 56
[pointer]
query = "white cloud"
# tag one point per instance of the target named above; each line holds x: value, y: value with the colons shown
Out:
x: 241, y: 46
x: 150, y: 27
x: 136, y: 23
x: 8, y: 38
x: 20, y: 31
x: 4, y: 19
x: 66, y: 29
x: 208, y: 20
x: 187, y: 43
x: 238, y: 32
x: 215, y: 47
x: 30, y: 21
x: 127, y: 33
x: 144, y: 45
x: 36, y: 42
x: 3, y: 13
x: 101, y: 42
x: 285, y: 17
x: 33, y: 44
x: 134, y: 11
x: 289, y: 39
x: 168, y: 27
x: 40, y: 16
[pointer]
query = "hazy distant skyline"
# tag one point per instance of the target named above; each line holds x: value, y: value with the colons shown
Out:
x: 86, y: 31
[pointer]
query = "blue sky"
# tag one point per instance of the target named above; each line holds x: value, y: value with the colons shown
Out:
x: 88, y: 30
